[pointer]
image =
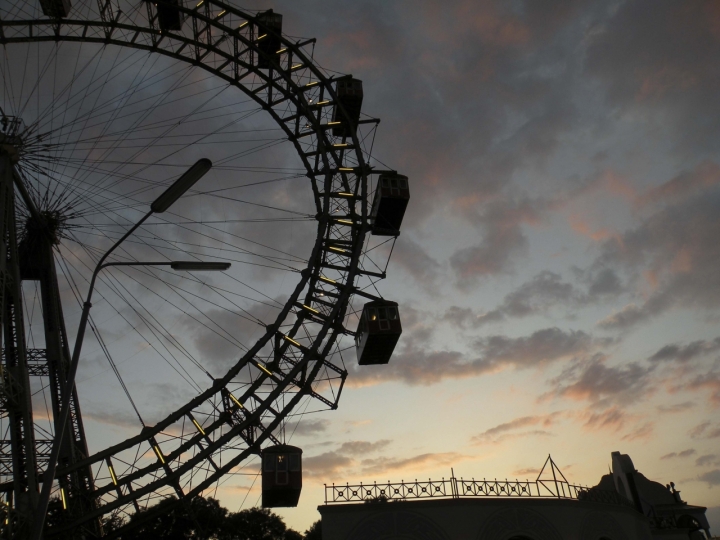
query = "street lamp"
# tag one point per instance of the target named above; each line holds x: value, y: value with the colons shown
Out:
x: 159, y: 205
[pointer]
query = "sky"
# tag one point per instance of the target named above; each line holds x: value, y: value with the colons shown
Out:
x: 557, y: 267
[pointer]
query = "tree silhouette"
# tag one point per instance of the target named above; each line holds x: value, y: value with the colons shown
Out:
x: 204, y: 519
x: 314, y: 532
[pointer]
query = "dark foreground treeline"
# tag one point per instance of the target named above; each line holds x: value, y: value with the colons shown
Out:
x: 204, y: 519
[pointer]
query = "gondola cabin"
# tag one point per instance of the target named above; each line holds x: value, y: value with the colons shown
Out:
x: 350, y: 96
x: 378, y: 332
x: 281, y: 476
x: 268, y: 38
x: 169, y: 16
x: 55, y: 8
x: 391, y: 199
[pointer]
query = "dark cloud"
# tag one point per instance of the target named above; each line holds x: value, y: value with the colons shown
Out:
x: 705, y: 430
x: 642, y: 431
x: 613, y: 419
x: 676, y: 249
x: 594, y: 381
x: 354, y: 448
x: 604, y: 282
x: 307, y: 428
x: 682, y: 354
x: 412, y: 257
x: 515, y: 429
x: 685, y: 453
x: 326, y: 464
x: 419, y: 463
x: 222, y: 336
x: 686, y: 183
x: 420, y: 366
x: 623, y: 319
x: 671, y: 68
x: 708, y: 381
x: 676, y: 407
x: 502, y: 240
x: 711, y: 477
x: 542, y: 292
x: 707, y: 459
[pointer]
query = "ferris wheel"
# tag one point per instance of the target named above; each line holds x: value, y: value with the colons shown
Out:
x: 104, y: 105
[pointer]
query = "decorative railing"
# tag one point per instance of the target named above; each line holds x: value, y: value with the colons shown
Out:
x: 459, y: 488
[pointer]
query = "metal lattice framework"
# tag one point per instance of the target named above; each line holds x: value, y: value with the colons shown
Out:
x: 298, y: 356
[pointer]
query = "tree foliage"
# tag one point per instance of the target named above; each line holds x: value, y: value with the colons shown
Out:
x: 204, y: 519
x: 314, y: 532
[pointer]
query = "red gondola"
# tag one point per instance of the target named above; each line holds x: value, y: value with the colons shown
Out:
x: 55, y: 8
x: 378, y: 332
x: 350, y: 96
x: 391, y: 199
x: 281, y: 476
x: 169, y: 16
x: 268, y: 38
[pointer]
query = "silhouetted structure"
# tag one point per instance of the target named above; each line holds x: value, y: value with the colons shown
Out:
x: 281, y: 476
x: 391, y: 199
x: 168, y: 14
x: 378, y: 332
x: 269, y: 40
x: 350, y: 97
x: 623, y: 506
x: 55, y: 8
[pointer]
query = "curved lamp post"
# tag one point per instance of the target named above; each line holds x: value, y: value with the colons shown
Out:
x: 162, y: 203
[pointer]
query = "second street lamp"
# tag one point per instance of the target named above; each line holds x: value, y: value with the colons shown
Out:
x: 159, y: 205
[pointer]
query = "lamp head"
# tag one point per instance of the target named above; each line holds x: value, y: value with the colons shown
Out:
x: 180, y: 186
x: 199, y: 266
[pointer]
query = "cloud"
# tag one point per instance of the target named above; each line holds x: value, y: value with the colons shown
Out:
x: 643, y: 431
x: 502, y: 241
x: 709, y: 381
x: 112, y: 418
x: 677, y: 246
x: 682, y: 354
x: 685, y: 453
x: 354, y: 448
x: 625, y: 318
x: 412, y: 257
x: 542, y: 292
x: 705, y: 430
x: 420, y: 462
x: 612, y: 419
x: 594, y: 381
x: 534, y: 471
x: 704, y: 175
x: 307, y: 428
x: 420, y: 366
x: 676, y: 407
x: 668, y: 71
x: 325, y: 465
x: 512, y: 429
x: 707, y: 459
x: 220, y: 343
x: 711, y: 477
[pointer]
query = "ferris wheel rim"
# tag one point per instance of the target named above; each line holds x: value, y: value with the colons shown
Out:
x: 310, y: 274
